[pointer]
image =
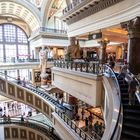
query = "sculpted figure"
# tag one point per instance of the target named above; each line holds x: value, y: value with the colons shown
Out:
x: 43, y: 56
x: 73, y: 49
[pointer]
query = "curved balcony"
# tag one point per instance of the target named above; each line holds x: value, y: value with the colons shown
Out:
x: 113, y: 109
x: 34, y: 126
x: 46, y: 104
x: 30, y: 95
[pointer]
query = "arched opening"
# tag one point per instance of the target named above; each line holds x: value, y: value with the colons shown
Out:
x: 14, y: 44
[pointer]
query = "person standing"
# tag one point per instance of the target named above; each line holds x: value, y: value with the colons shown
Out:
x: 131, y: 91
x: 9, y: 118
x: 86, y: 123
x: 90, y: 118
x: 82, y: 113
x: 22, y: 118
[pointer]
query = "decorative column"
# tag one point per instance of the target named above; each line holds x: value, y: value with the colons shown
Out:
x: 133, y: 56
x: 102, y: 51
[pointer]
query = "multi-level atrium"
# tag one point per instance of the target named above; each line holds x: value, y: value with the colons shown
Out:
x: 69, y: 69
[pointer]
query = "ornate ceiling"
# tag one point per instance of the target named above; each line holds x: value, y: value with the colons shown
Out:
x: 36, y: 2
x: 20, y: 11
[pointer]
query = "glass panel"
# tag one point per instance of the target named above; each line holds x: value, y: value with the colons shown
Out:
x: 12, y: 73
x: 23, y: 51
x: 1, y: 34
x: 10, y: 33
x: 1, y: 53
x: 10, y: 52
x: 13, y: 35
x: 21, y: 36
x: 24, y: 73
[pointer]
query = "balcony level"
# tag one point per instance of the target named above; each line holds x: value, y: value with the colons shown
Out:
x: 22, y: 64
x: 82, y: 85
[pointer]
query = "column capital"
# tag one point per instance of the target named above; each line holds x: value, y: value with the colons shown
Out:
x: 133, y: 27
x: 104, y: 42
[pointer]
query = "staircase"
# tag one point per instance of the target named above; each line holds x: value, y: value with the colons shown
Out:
x: 131, y: 115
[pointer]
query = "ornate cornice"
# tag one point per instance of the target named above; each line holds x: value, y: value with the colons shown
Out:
x: 90, y: 10
x: 133, y: 27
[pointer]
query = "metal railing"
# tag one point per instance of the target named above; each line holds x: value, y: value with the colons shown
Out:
x: 34, y: 124
x: 82, y: 134
x: 50, y: 30
x: 72, y: 6
x: 88, y: 67
x: 14, y: 60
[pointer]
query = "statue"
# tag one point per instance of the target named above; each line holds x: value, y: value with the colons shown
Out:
x: 43, y: 56
x: 73, y: 49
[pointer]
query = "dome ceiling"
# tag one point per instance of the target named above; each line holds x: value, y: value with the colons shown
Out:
x: 36, y: 2
x: 11, y: 8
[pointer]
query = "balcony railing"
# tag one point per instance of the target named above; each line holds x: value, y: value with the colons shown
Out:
x: 72, y: 5
x: 14, y: 60
x: 83, y: 135
x: 40, y: 126
x: 88, y: 67
x: 50, y: 30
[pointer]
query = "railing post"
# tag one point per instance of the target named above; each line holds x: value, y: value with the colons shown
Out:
x: 67, y: 64
x: 71, y: 65
x: 81, y: 66
x: 93, y: 68
x: 76, y: 66
x: 87, y: 65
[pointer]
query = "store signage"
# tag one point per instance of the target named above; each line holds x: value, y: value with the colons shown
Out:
x: 95, y: 36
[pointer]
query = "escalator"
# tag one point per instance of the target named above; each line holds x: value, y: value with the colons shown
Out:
x: 131, y: 115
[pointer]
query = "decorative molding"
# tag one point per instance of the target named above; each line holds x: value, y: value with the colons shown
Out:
x: 119, y: 13
x: 92, y: 9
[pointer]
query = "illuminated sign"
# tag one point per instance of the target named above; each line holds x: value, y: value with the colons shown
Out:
x: 95, y: 36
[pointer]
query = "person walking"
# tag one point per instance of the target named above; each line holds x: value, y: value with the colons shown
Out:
x: 82, y: 113
x: 22, y: 118
x: 9, y: 118
x: 86, y: 124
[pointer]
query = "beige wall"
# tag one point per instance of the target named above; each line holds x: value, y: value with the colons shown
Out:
x: 84, y: 86
x: 114, y: 15
x: 16, y: 132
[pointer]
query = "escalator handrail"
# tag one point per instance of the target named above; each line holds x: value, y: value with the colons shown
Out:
x: 112, y: 73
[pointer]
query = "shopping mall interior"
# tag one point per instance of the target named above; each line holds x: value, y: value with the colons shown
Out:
x: 69, y: 69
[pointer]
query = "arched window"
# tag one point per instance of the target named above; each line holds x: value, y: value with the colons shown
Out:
x: 13, y: 43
